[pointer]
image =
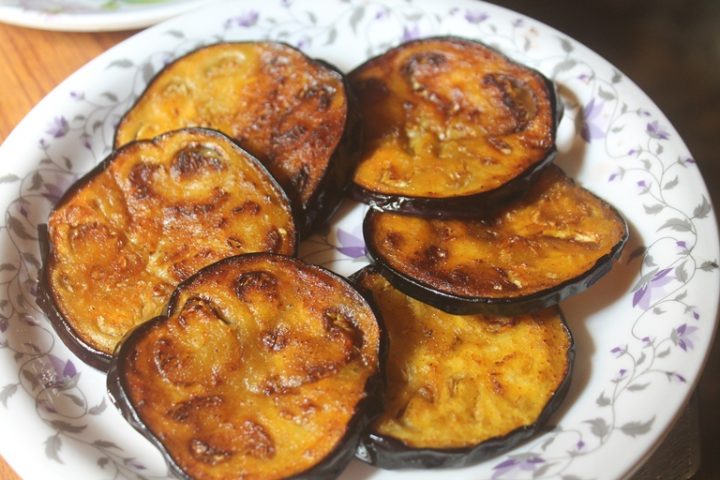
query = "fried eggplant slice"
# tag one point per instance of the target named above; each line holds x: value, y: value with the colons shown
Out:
x: 288, y: 110
x: 533, y: 252
x: 450, y: 125
x: 462, y: 388
x: 263, y: 367
x: 145, y: 219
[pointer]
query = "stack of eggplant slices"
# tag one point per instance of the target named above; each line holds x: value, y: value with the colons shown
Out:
x: 172, y: 264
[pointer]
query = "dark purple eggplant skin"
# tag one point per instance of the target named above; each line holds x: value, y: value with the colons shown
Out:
x: 335, y: 183
x: 464, y: 206
x: 367, y: 410
x: 461, y: 305
x: 333, y: 186
x: 46, y: 299
x: 392, y: 454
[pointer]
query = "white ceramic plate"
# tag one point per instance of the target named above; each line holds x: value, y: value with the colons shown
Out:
x: 642, y: 333
x: 92, y: 15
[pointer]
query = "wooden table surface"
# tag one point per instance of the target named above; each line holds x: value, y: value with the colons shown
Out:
x: 33, y: 62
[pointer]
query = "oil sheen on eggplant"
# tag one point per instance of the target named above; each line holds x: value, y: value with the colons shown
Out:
x: 288, y: 110
x: 263, y: 367
x: 145, y: 219
x: 462, y: 388
x: 450, y: 124
x: 554, y: 242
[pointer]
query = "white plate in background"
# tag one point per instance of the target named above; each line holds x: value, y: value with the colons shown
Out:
x: 92, y: 15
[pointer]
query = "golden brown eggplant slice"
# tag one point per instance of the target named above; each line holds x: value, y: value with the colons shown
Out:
x: 149, y: 216
x: 286, y: 109
x: 262, y: 367
x: 450, y: 124
x: 462, y: 388
x: 554, y: 242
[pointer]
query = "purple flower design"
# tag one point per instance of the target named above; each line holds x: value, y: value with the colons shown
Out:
x: 656, y: 131
x: 682, y: 247
x: 682, y: 336
x: 475, y: 17
x: 411, y: 33
x: 286, y: 3
x: 304, y: 42
x: 77, y: 95
x: 382, y: 13
x: 351, y: 244
x: 517, y: 22
x: 58, y: 128
x: 686, y: 162
x: 652, y: 288
x: 619, y: 351
x: 246, y: 19
x: 591, y: 130
x: 59, y: 373
x: 528, y: 463
x: 643, y: 186
x: 614, y: 175
x: 54, y: 192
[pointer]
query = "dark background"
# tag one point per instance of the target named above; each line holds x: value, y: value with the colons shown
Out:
x: 671, y: 49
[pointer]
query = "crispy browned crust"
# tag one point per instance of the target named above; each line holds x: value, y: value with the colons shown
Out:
x: 149, y: 216
x: 450, y: 125
x: 288, y: 110
x: 462, y: 388
x: 533, y: 252
x: 263, y: 367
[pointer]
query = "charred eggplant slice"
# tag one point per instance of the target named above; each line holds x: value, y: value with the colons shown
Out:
x: 533, y: 252
x: 146, y: 218
x: 262, y: 367
x: 462, y: 388
x: 450, y: 124
x: 288, y: 110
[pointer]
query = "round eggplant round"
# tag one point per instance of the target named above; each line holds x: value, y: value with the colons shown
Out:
x: 460, y: 389
x: 261, y: 367
x: 530, y: 253
x: 450, y: 126
x: 146, y: 218
x: 291, y: 112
